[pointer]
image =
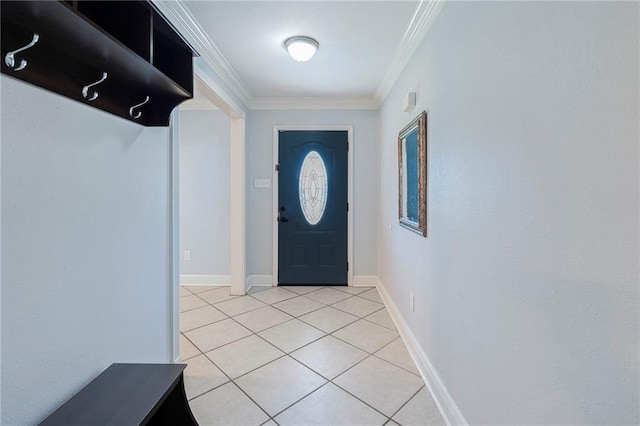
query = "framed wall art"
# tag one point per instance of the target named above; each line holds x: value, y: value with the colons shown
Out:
x: 412, y: 175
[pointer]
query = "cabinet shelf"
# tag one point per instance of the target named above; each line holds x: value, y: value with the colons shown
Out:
x: 79, y: 41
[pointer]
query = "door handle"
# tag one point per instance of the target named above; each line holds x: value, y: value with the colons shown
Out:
x: 281, y: 218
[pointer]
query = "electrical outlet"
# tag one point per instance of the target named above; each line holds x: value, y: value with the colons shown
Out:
x: 412, y: 302
x: 187, y: 255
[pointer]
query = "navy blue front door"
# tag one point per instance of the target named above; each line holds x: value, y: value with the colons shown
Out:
x: 312, y: 223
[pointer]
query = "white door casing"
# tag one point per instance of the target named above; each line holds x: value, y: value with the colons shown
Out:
x: 274, y: 209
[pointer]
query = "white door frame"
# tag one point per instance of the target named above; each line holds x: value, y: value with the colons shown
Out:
x: 237, y: 159
x: 276, y: 141
x: 238, y: 222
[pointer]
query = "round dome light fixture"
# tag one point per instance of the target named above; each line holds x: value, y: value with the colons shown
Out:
x: 301, y: 48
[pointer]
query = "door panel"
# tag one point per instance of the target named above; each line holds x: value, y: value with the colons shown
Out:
x: 312, y: 188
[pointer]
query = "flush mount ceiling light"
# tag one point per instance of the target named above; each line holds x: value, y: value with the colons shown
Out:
x: 301, y: 48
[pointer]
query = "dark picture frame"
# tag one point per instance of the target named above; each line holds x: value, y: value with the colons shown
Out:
x: 412, y: 175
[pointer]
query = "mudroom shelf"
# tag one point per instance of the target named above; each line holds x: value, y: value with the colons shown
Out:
x: 120, y: 57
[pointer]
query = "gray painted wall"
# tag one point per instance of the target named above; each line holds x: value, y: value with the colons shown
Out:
x: 526, y: 288
x: 85, y: 212
x: 204, y: 192
x: 260, y: 165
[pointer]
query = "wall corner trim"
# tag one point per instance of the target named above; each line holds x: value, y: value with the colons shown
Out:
x: 206, y: 280
x: 447, y: 406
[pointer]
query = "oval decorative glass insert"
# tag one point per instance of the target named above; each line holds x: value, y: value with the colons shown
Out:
x: 313, y: 187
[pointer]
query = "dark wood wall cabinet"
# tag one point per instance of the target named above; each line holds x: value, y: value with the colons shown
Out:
x: 118, y: 56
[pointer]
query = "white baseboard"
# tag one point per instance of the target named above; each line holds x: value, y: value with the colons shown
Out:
x: 260, y: 281
x: 447, y: 406
x: 206, y: 280
x: 365, y: 281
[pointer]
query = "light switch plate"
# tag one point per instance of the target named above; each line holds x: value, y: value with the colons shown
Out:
x: 262, y: 183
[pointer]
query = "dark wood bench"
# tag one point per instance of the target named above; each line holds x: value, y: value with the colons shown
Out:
x: 129, y: 394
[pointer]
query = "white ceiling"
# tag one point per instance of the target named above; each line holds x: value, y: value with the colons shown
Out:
x: 363, y: 44
x: 358, y: 41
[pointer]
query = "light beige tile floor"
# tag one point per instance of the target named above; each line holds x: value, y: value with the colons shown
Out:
x: 298, y: 356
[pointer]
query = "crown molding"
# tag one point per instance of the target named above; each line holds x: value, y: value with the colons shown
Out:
x: 316, y: 103
x: 425, y: 14
x: 187, y: 25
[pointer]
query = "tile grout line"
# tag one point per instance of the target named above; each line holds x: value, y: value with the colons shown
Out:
x: 228, y: 343
x: 233, y: 381
x: 328, y: 332
x: 199, y: 351
x: 298, y: 318
x: 350, y: 296
x: 204, y: 325
x: 216, y: 289
x: 389, y: 418
x: 385, y: 308
x: 241, y: 313
x: 306, y: 395
x: 393, y: 363
x: 296, y: 294
x: 205, y: 301
x: 237, y: 386
x: 294, y: 317
x: 349, y: 343
x: 192, y: 309
x: 296, y: 349
x: 360, y: 362
x: 232, y: 318
x: 370, y: 313
x: 375, y: 323
x: 325, y: 334
x: 260, y: 366
x: 213, y: 388
x: 284, y: 300
x: 271, y: 418
x: 369, y: 355
x: 354, y: 294
x: 288, y: 354
x: 250, y: 371
x: 407, y: 401
x: 313, y: 310
x: 338, y: 386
